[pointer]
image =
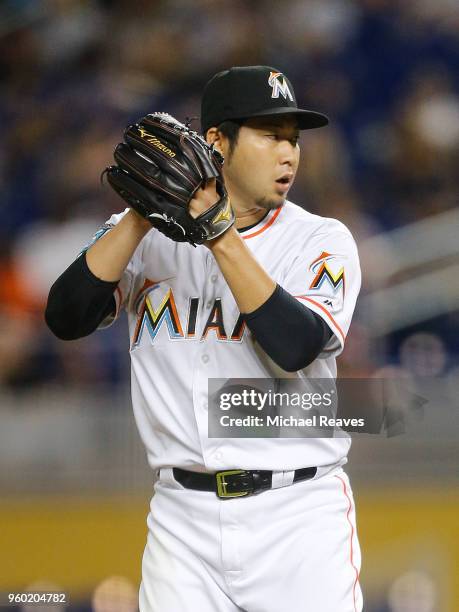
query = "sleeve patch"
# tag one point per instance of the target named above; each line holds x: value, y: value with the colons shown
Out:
x: 329, y: 281
x: 325, y: 275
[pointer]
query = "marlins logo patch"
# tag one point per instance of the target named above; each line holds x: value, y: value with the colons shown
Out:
x: 328, y: 283
x: 279, y: 85
x: 327, y: 273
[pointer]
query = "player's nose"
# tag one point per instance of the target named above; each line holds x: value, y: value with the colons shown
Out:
x: 287, y: 153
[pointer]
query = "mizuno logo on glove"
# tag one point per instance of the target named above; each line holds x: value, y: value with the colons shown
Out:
x: 156, y: 142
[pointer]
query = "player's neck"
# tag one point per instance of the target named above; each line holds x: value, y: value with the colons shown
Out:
x: 247, y: 217
x: 246, y: 213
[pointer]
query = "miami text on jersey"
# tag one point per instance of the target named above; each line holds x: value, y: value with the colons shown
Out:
x: 166, y: 313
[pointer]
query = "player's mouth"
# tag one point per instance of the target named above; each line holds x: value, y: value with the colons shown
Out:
x: 284, y: 182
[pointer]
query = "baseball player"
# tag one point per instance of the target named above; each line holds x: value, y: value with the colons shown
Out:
x: 253, y: 524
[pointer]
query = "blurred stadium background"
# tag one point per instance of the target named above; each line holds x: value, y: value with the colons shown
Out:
x: 73, y: 477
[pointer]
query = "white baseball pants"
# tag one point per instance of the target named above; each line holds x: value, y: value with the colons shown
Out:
x: 292, y: 548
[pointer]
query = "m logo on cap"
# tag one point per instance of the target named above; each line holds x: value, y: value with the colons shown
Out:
x: 278, y: 83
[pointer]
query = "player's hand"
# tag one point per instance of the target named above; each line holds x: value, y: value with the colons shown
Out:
x: 204, y: 198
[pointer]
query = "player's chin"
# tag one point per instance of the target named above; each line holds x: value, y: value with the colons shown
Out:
x: 272, y: 201
x: 278, y: 201
x: 280, y: 195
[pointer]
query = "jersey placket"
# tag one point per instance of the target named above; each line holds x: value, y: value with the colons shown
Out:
x: 204, y: 366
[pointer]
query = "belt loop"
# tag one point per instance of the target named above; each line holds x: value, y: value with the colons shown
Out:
x: 282, y: 478
x: 277, y: 479
x: 288, y: 477
x: 167, y: 475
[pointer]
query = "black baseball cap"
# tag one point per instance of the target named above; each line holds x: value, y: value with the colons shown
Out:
x: 253, y: 91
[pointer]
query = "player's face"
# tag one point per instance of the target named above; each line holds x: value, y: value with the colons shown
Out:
x: 264, y: 162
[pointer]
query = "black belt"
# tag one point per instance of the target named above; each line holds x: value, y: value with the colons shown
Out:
x: 235, y: 483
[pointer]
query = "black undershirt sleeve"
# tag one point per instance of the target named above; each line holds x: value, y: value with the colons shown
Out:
x: 289, y: 332
x: 78, y: 302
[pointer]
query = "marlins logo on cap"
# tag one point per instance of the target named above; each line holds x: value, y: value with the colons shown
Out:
x: 279, y: 86
x: 241, y: 92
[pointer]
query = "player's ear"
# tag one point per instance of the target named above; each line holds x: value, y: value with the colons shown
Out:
x: 214, y: 137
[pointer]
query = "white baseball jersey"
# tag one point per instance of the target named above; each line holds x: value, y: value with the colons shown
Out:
x: 185, y: 327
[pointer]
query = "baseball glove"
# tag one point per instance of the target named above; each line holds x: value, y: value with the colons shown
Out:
x: 160, y: 166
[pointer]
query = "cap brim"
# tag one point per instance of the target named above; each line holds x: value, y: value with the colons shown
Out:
x: 307, y: 120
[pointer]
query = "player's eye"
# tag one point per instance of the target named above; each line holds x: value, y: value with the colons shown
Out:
x: 276, y: 137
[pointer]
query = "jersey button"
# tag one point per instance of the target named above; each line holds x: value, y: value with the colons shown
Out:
x: 205, y: 358
x: 214, y: 278
x: 209, y: 304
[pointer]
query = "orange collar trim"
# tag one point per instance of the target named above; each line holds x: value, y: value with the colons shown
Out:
x: 266, y: 225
